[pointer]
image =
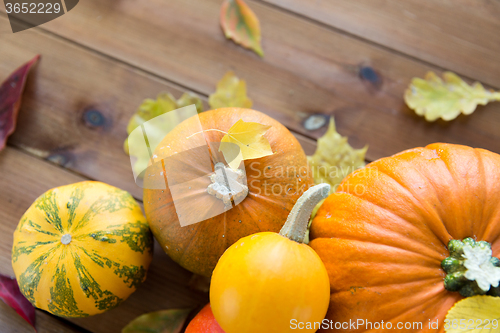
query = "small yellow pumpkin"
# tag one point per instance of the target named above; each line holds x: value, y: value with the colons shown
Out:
x: 273, y: 283
x: 81, y: 249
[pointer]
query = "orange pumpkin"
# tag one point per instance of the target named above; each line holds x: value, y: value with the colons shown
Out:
x: 274, y: 184
x: 273, y: 282
x: 396, y: 234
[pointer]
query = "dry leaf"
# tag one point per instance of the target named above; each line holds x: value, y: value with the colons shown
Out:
x: 150, y: 109
x: 333, y: 160
x: 11, y: 295
x: 231, y: 92
x: 435, y: 98
x: 241, y: 24
x: 249, y: 138
x: 477, y: 314
x: 165, y: 321
x: 11, y: 92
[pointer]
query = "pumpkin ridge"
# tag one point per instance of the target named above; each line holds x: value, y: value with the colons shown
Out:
x: 458, y: 188
x: 191, y: 239
x: 424, y: 305
x: 438, y: 254
x: 420, y: 206
x: 87, y: 283
x: 130, y: 275
x: 27, y: 250
x: 406, y: 315
x: 483, y: 187
x: 137, y: 241
x: 392, y: 247
x: 75, y: 199
x: 47, y: 203
x: 426, y: 280
x: 276, y: 201
x: 28, y: 281
x: 62, y: 298
x: 38, y: 228
x: 485, y: 227
x: 388, y: 246
x: 247, y: 211
x: 105, y: 204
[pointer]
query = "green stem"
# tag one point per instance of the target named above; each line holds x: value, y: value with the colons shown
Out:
x: 296, y: 224
x: 471, y: 269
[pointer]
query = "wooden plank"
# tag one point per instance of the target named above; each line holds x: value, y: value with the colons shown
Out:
x: 10, y: 322
x: 460, y: 35
x: 24, y: 178
x: 307, y: 69
x: 62, y: 88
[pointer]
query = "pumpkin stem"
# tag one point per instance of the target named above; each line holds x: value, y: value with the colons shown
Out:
x: 296, y: 224
x: 471, y: 269
x: 228, y: 185
x: 66, y: 239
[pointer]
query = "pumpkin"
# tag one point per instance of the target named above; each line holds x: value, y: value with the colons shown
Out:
x: 273, y: 184
x: 397, y: 236
x: 81, y: 249
x: 270, y: 282
x: 204, y: 322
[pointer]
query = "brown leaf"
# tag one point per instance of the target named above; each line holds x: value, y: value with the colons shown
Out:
x: 11, y: 92
x: 11, y: 295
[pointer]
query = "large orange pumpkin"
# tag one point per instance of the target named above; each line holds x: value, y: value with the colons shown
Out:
x: 274, y: 183
x: 390, y: 231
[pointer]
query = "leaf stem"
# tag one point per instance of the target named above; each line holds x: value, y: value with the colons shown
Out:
x: 207, y: 130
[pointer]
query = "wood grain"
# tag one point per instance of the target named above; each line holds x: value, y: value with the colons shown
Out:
x: 460, y: 35
x: 307, y: 69
x: 24, y: 178
x: 11, y: 322
x: 66, y: 84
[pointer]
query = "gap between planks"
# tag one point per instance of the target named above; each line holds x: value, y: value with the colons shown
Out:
x: 369, y: 41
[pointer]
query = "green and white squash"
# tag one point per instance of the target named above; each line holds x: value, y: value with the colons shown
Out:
x: 81, y: 249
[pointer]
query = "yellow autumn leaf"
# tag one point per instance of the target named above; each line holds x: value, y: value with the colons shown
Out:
x: 435, y: 98
x: 245, y: 141
x: 240, y: 24
x: 477, y: 314
x: 231, y: 92
x: 152, y: 108
x: 333, y: 160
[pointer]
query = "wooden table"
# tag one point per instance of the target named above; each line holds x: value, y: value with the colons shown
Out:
x: 107, y: 56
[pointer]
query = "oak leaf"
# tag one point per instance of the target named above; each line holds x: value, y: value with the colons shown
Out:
x: 477, y: 314
x: 435, y: 98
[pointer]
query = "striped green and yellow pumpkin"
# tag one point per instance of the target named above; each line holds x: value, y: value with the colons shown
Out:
x: 81, y: 249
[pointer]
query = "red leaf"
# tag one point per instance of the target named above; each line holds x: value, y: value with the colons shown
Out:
x: 10, y: 294
x: 11, y: 92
